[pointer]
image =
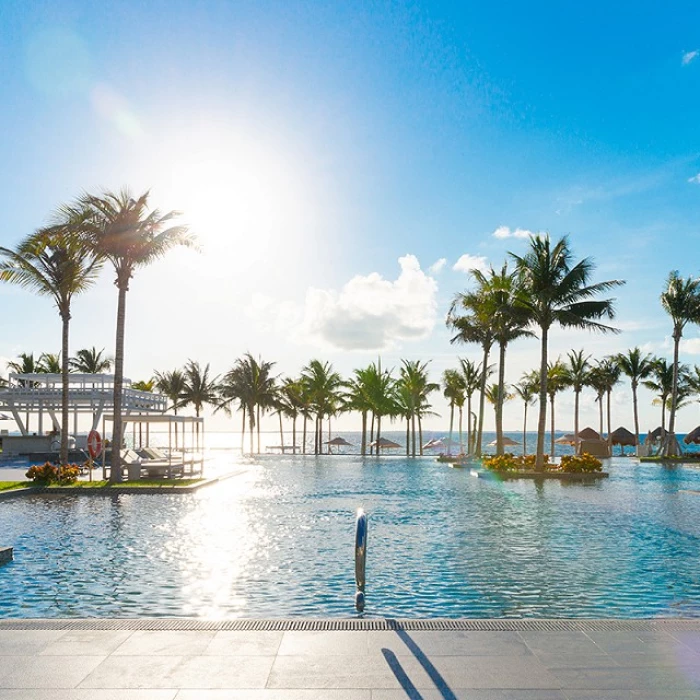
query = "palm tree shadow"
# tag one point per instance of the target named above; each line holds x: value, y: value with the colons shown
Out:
x: 409, y: 688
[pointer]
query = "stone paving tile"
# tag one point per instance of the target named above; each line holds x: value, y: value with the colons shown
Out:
x: 85, y: 694
x: 469, y: 694
x: 632, y: 643
x: 181, y: 672
x: 449, y: 643
x: 172, y: 643
x: 86, y: 643
x: 25, y: 642
x: 678, y: 656
x: 244, y: 644
x: 648, y: 679
x: 553, y: 660
x: 47, y: 672
x: 631, y: 695
x: 341, y: 672
x: 690, y: 639
x: 560, y: 642
x: 327, y: 643
x: 273, y: 694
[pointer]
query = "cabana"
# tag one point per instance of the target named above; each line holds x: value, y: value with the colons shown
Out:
x: 590, y: 442
x: 184, y: 453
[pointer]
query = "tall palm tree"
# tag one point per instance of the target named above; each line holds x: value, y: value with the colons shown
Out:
x: 497, y: 397
x: 358, y: 398
x: 607, y: 376
x: 453, y: 390
x: 681, y: 301
x: 323, y: 385
x: 200, y: 388
x: 471, y: 374
x: 578, y: 369
x: 54, y: 262
x: 509, y: 320
x: 124, y: 231
x: 557, y: 292
x: 90, y: 361
x: 233, y: 388
x: 50, y: 363
x: 599, y: 383
x: 470, y: 316
x: 661, y: 382
x: 557, y: 380
x: 415, y: 387
x: 637, y: 366
x: 526, y: 390
x: 290, y: 395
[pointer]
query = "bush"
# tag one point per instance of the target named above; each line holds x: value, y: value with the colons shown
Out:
x: 48, y: 473
x: 509, y: 462
x: 584, y: 463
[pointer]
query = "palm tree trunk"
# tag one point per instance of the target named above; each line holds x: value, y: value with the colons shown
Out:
x: 525, y: 432
x: 469, y: 424
x: 671, y: 444
x: 542, y: 420
x: 281, y: 432
x: 379, y: 431
x: 242, y: 432
x: 551, y: 440
x: 413, y: 429
x: 294, y: 434
x: 635, y: 408
x: 499, y: 402
x: 482, y: 399
x: 115, y: 472
x: 303, y: 437
x: 408, y: 437
x: 420, y: 435
x: 577, y: 398
x: 609, y: 395
x: 600, y: 416
x: 251, y: 425
x: 258, y: 418
x: 363, y: 445
x: 461, y: 440
x: 371, y: 435
x: 452, y: 421
x: 63, y: 459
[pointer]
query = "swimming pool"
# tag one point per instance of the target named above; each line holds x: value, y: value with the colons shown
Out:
x: 277, y: 541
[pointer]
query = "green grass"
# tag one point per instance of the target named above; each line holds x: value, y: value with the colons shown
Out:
x: 9, y: 485
x: 142, y: 483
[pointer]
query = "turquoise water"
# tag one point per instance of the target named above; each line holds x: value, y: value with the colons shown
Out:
x: 277, y: 541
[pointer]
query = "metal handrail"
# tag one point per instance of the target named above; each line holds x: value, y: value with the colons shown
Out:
x: 360, y: 558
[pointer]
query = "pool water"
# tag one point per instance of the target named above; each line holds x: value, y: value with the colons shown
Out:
x: 277, y: 541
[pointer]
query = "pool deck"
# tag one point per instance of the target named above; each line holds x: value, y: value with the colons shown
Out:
x: 166, y: 660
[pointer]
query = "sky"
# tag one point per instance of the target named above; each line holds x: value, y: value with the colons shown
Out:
x: 344, y: 165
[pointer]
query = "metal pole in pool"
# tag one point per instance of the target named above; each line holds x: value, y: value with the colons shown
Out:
x: 360, y: 558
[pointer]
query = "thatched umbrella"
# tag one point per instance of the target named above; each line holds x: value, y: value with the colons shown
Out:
x: 338, y: 442
x: 568, y: 439
x: 693, y: 437
x: 507, y: 442
x: 658, y: 434
x: 622, y: 437
x: 383, y: 443
x: 589, y: 434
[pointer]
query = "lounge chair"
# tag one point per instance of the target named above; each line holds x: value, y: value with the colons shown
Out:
x: 158, y: 464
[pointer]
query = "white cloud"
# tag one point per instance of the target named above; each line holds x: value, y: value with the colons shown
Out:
x: 695, y: 179
x: 690, y: 346
x: 507, y: 232
x: 690, y: 56
x: 471, y: 262
x: 372, y: 313
x: 437, y: 266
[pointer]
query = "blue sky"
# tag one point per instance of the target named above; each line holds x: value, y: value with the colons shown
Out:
x: 312, y: 145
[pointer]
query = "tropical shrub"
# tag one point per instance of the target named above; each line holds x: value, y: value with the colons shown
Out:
x: 45, y: 474
x: 584, y: 463
x: 509, y: 462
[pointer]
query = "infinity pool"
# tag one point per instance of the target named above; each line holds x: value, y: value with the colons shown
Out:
x: 277, y: 541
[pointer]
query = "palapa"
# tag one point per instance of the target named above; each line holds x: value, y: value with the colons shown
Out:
x: 622, y: 436
x: 693, y: 437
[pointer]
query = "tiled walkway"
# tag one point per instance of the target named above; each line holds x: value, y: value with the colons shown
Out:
x: 347, y: 665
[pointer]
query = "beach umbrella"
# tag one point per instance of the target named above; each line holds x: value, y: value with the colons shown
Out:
x: 589, y: 434
x: 568, y: 439
x: 657, y: 434
x: 384, y: 444
x: 622, y: 437
x: 507, y: 442
x: 338, y: 442
x: 693, y: 437
x: 432, y: 444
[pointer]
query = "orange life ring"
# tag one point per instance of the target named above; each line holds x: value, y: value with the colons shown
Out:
x: 94, y: 444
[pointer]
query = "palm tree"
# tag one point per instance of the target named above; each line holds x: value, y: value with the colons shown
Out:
x: 526, y: 389
x: 24, y: 364
x: 471, y: 374
x: 661, y: 382
x: 358, y: 399
x: 578, y: 370
x: 144, y: 385
x: 453, y: 390
x: 291, y: 404
x: 509, y: 320
x: 474, y: 327
x: 414, y: 386
x: 323, y: 385
x: 496, y: 397
x: 557, y: 380
x: 599, y: 383
x: 90, y: 361
x: 121, y: 229
x: 200, y: 389
x: 54, y: 262
x: 681, y: 301
x: 557, y: 292
x: 170, y: 384
x: 607, y: 375
x: 233, y: 388
x: 50, y: 363
x: 637, y: 367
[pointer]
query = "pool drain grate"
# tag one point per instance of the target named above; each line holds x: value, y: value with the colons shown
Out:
x: 353, y: 624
